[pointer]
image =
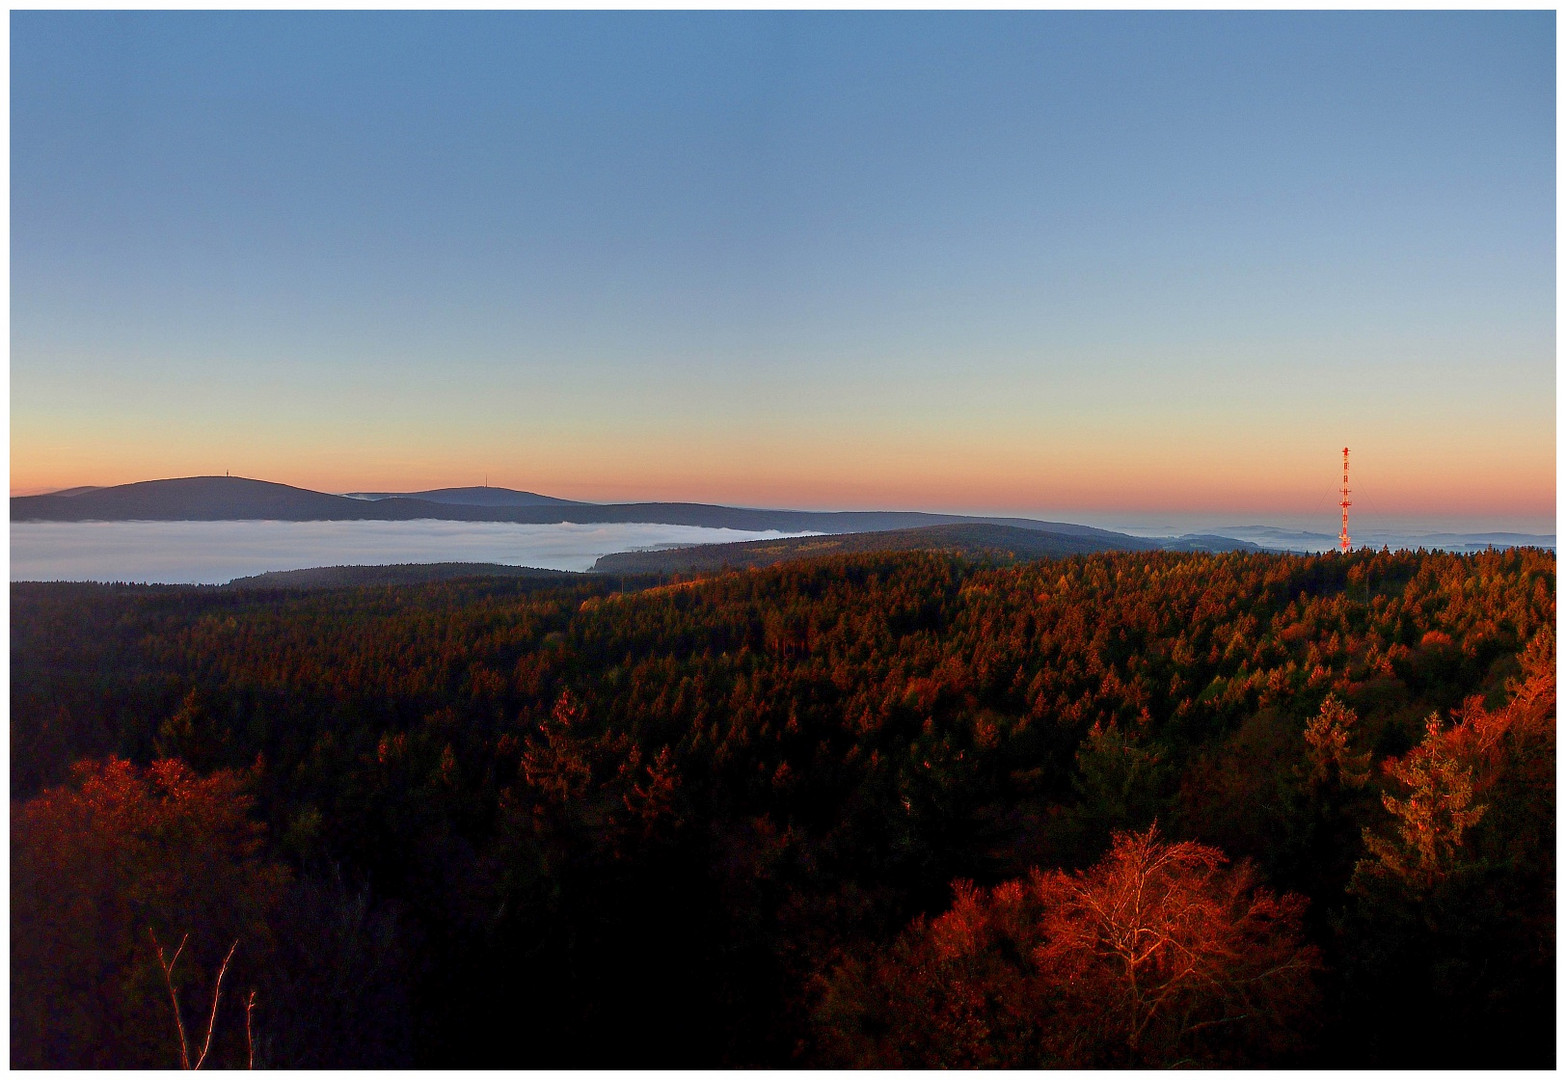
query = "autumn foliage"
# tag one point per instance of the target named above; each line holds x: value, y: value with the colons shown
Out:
x: 101, y: 871
x: 1157, y: 955
x: 727, y: 821
x: 1453, y: 899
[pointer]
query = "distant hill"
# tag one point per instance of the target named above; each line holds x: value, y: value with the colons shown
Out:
x: 467, y: 496
x: 192, y: 498
x: 1005, y: 543
x: 237, y: 498
x: 1207, y: 542
x: 233, y: 498
x: 325, y: 577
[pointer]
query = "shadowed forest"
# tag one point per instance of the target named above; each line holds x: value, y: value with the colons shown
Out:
x: 911, y: 809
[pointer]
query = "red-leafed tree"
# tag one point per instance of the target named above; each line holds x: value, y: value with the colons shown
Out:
x: 959, y: 991
x: 1451, y: 934
x: 103, y: 872
x: 1161, y: 954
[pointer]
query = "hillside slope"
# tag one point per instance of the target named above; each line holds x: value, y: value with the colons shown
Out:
x: 1000, y: 543
x: 332, y: 577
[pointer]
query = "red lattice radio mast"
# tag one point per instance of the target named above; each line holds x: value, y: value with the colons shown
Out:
x: 1343, y: 537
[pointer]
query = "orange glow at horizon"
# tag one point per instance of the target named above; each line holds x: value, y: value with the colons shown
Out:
x: 854, y: 474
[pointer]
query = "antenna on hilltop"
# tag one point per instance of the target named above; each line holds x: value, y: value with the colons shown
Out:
x: 1343, y: 537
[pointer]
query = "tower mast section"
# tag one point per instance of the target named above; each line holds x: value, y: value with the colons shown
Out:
x: 1343, y: 537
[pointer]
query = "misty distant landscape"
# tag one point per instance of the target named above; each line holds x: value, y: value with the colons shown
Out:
x: 223, y: 498
x: 211, y: 530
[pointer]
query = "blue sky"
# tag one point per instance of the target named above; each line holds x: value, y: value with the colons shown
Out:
x: 1031, y: 262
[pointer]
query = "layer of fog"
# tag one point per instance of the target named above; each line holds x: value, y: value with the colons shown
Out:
x: 216, y: 552
x: 1318, y: 533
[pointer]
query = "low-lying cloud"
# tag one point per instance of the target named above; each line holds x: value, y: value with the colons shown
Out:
x: 216, y: 552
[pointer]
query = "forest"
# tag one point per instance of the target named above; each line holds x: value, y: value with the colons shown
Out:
x: 900, y: 809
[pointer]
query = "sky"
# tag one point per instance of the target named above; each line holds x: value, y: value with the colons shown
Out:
x: 1067, y: 265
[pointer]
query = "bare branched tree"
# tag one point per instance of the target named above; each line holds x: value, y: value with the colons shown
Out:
x: 168, y: 980
x: 250, y: 1042
x: 167, y: 964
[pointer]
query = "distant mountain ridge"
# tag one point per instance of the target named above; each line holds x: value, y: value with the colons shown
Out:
x: 192, y: 498
x: 468, y: 496
x: 233, y: 498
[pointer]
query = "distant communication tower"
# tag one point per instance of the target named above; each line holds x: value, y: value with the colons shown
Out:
x: 1343, y: 537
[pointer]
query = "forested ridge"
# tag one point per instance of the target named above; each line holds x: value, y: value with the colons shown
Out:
x: 858, y: 810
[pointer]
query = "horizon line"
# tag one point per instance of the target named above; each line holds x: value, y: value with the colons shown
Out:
x: 1122, y: 518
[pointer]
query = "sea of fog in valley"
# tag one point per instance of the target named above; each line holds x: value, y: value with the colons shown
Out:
x: 1319, y: 532
x: 216, y: 552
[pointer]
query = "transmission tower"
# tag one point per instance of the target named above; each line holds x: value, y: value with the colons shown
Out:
x: 1343, y: 537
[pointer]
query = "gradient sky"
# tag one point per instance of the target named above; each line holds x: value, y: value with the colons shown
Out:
x: 1043, y: 263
